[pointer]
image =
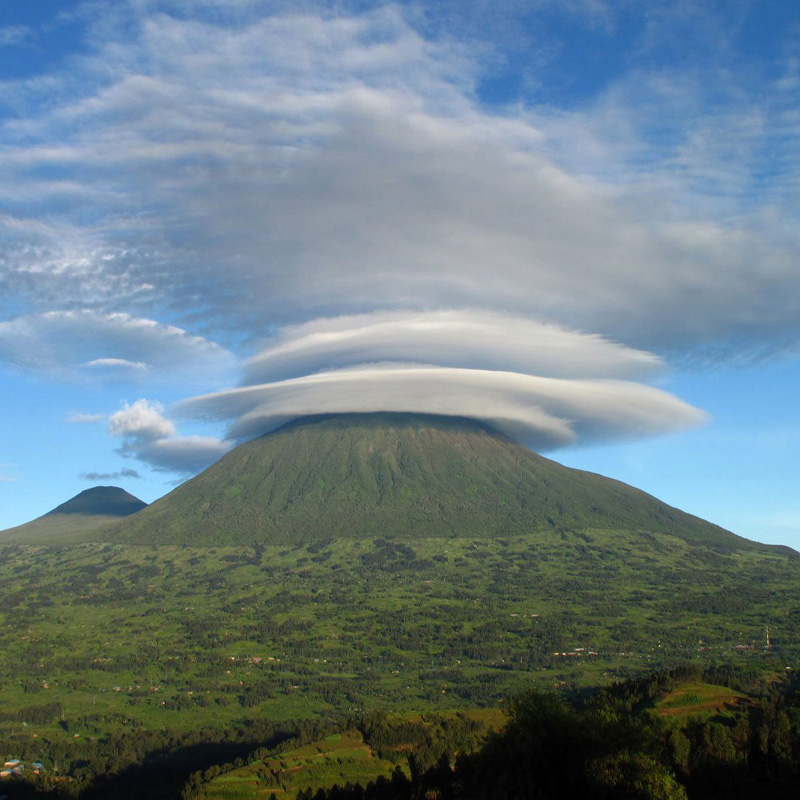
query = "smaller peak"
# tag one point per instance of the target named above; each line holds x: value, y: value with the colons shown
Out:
x: 101, y: 501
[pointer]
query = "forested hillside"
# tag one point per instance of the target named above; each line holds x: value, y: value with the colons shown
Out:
x: 622, y: 742
x: 413, y: 476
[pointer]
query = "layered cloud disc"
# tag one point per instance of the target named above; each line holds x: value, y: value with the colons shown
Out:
x: 541, y: 412
x: 541, y: 384
x: 473, y: 339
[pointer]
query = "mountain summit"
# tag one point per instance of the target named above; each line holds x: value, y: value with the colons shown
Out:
x: 410, y: 475
x: 108, y: 501
x: 90, y: 509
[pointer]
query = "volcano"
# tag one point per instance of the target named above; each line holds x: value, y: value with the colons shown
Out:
x: 88, y: 510
x: 403, y: 475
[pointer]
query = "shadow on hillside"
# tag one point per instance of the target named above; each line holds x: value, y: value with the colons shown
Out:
x: 160, y: 776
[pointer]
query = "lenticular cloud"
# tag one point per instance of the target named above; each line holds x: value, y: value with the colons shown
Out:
x: 474, y: 340
x: 544, y: 385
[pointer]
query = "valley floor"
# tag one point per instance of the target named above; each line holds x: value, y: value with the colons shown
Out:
x: 113, y: 652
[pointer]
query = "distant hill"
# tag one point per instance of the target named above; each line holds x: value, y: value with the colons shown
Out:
x: 409, y: 475
x: 91, y: 509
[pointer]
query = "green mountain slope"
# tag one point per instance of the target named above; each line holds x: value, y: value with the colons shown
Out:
x: 71, y: 521
x: 416, y: 476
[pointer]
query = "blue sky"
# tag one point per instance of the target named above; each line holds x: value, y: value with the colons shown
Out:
x: 575, y: 220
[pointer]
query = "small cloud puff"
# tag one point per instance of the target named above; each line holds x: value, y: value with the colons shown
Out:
x: 142, y: 421
x: 15, y: 35
x: 149, y: 436
x: 187, y: 455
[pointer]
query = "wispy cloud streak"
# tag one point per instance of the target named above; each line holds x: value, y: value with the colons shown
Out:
x: 110, y: 476
x: 72, y: 344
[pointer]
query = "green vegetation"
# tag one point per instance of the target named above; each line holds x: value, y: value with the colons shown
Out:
x: 701, y: 698
x: 377, y: 746
x: 345, y: 568
x: 609, y: 743
x: 113, y: 651
x: 406, y: 475
x: 339, y: 758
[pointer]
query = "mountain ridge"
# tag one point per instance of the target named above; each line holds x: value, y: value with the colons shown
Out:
x: 356, y: 475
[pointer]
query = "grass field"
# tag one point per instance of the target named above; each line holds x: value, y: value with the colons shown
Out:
x: 702, y: 699
x: 102, y: 639
x: 339, y: 758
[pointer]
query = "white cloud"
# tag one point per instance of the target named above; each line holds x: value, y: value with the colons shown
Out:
x: 330, y: 175
x: 116, y: 363
x: 465, y: 338
x: 142, y: 421
x: 15, y: 35
x: 70, y: 344
x: 278, y: 168
x: 149, y: 436
x: 543, y: 412
x: 542, y: 384
x: 475, y: 361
